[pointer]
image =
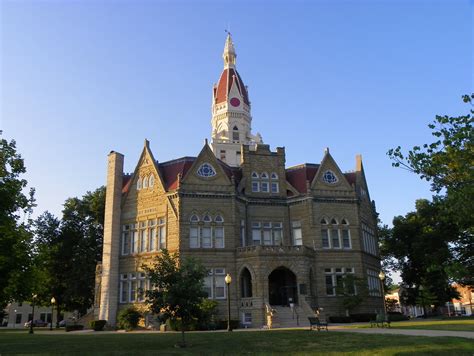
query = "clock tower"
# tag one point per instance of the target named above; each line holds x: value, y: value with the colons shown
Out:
x: 231, y: 119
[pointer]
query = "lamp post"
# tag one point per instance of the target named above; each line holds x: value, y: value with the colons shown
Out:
x: 382, y: 278
x: 33, y: 297
x: 53, y: 300
x: 228, y: 280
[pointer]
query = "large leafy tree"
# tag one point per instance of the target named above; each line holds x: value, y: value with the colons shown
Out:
x: 418, y: 246
x: 16, y: 275
x: 69, y: 249
x: 178, y: 288
x: 447, y: 163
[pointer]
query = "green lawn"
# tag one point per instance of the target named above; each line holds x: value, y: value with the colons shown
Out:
x: 220, y: 343
x: 454, y: 325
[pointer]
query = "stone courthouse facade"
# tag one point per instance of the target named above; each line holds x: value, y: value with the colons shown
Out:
x: 286, y: 235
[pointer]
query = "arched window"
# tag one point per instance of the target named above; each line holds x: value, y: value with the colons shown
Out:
x: 245, y: 283
x: 344, y: 222
x: 254, y: 175
x: 151, y: 182
x: 274, y: 175
x: 206, y: 218
x: 219, y: 219
x: 324, y: 221
x: 333, y: 221
x: 346, y: 234
x: 264, y: 175
x: 145, y: 182
x: 194, y: 218
x: 235, y: 134
x: 139, y: 183
x: 264, y: 185
x: 255, y: 182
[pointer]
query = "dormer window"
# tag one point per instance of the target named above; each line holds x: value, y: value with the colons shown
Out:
x: 206, y: 170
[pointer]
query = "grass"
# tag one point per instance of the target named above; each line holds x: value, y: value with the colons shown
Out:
x: 294, y: 342
x: 453, y: 325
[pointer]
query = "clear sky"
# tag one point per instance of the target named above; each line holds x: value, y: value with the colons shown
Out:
x: 82, y: 78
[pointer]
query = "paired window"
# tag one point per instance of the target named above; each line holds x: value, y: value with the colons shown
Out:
x: 369, y: 241
x: 374, y: 283
x: 335, y: 234
x: 146, y: 236
x: 207, y: 233
x: 267, y: 233
x: 214, y: 284
x: 265, y: 183
x: 133, y: 287
x: 145, y: 182
x: 335, y: 277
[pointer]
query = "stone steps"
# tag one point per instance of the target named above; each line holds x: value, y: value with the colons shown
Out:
x: 286, y: 318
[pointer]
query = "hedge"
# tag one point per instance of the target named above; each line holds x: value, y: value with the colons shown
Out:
x: 74, y: 327
x: 97, y: 325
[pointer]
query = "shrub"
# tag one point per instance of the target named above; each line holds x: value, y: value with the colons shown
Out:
x: 363, y: 317
x: 222, y: 324
x: 339, y: 319
x: 128, y: 318
x: 397, y: 316
x: 97, y: 325
x: 175, y: 325
x: 74, y: 327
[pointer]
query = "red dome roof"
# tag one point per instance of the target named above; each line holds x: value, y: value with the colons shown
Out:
x: 221, y: 91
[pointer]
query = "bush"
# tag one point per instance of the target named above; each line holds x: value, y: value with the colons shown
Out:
x: 394, y: 316
x: 339, y: 319
x: 74, y: 327
x: 128, y: 318
x: 362, y: 317
x: 175, y: 325
x: 222, y: 324
x: 97, y: 325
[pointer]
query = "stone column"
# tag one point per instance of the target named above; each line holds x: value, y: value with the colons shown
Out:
x: 109, y: 292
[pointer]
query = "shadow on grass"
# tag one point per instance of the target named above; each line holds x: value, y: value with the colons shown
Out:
x: 258, y: 342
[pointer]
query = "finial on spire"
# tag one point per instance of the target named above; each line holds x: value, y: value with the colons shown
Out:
x: 229, y: 51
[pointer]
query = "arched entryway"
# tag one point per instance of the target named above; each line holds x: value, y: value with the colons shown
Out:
x: 245, y: 283
x: 282, y: 287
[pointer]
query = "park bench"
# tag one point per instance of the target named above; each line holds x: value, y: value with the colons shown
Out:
x: 381, y: 320
x: 316, y: 322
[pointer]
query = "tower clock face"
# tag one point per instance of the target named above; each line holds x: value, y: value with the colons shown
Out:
x: 234, y: 102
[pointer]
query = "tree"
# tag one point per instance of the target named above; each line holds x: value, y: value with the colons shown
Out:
x: 447, y: 163
x: 15, y: 235
x: 419, y: 246
x: 352, y: 291
x: 68, y: 251
x: 178, y: 288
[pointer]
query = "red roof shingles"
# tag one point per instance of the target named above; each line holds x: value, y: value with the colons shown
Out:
x: 222, y: 90
x: 298, y: 175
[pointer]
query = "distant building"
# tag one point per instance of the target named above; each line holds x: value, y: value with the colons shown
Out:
x: 286, y: 235
x: 463, y: 305
x: 17, y: 314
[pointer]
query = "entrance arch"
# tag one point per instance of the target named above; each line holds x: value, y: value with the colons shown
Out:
x: 282, y: 287
x: 245, y: 283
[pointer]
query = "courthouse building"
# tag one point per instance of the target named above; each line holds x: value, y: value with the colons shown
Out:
x: 286, y: 235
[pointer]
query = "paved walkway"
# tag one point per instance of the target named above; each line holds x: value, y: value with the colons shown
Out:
x: 412, y: 332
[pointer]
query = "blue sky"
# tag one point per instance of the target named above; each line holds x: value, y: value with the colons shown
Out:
x: 82, y: 78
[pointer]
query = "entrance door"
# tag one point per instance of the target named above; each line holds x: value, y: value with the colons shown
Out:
x: 282, y: 287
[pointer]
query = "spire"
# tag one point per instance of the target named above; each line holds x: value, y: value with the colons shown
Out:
x: 229, y: 52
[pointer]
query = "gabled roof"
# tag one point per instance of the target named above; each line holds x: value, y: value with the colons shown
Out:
x: 170, y: 170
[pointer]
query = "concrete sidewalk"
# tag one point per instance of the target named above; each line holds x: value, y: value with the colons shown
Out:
x: 411, y: 332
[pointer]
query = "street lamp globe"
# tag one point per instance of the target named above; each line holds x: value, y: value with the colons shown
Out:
x: 228, y: 279
x: 53, y: 300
